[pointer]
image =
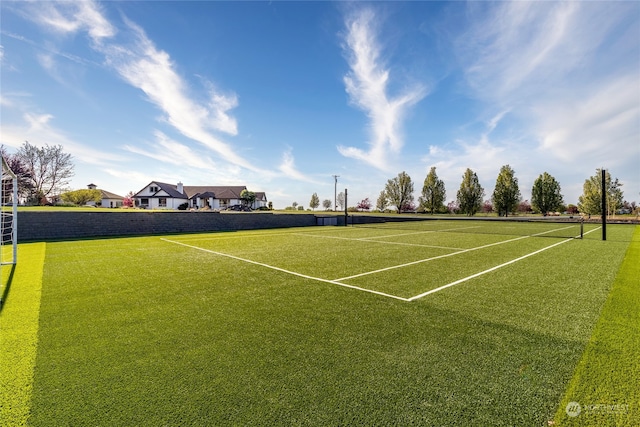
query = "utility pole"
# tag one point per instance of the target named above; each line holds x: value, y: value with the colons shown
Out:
x: 335, y: 192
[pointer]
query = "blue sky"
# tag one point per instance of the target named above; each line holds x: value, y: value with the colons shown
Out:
x: 280, y: 96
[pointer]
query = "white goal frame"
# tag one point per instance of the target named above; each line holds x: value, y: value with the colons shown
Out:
x: 9, y: 216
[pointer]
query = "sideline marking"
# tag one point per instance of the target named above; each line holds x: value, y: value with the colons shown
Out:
x: 333, y: 282
x: 473, y: 276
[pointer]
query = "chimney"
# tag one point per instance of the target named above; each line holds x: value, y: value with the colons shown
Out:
x: 180, y: 188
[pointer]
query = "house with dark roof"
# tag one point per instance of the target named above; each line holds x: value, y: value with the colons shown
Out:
x: 160, y: 195
x: 109, y: 200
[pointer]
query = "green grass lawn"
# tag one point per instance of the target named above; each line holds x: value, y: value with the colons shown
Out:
x: 142, y: 331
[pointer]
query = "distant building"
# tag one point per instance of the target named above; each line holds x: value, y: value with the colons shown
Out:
x: 160, y: 195
x: 109, y: 200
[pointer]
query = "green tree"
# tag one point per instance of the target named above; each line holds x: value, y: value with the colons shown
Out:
x: 82, y: 197
x: 314, y: 202
x: 382, y: 202
x: 591, y: 200
x: 341, y: 200
x: 433, y: 193
x: 470, y: 194
x: 49, y: 167
x: 248, y: 197
x: 506, y: 194
x: 545, y: 194
x: 399, y: 191
x: 326, y: 204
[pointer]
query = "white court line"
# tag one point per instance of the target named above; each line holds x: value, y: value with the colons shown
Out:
x: 367, y: 239
x: 473, y: 276
x: 446, y: 255
x: 333, y: 282
x: 393, y: 267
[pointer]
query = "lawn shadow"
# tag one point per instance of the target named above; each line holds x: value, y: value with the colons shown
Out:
x: 7, y: 286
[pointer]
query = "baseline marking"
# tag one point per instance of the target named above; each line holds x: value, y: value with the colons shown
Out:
x: 473, y: 276
x: 368, y: 239
x: 333, y: 282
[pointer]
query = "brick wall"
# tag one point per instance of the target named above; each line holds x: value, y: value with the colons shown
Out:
x: 39, y: 226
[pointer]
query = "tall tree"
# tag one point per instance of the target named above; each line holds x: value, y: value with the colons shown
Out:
x: 326, y: 204
x: 545, y: 194
x: 433, y: 193
x: 23, y: 175
x: 314, y: 202
x: 470, y: 193
x: 591, y: 200
x: 399, y: 191
x: 341, y: 200
x: 382, y: 202
x: 506, y: 194
x: 50, y: 169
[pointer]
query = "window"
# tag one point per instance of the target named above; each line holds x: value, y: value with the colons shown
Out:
x: 162, y: 202
x: 144, y: 203
x: 153, y: 189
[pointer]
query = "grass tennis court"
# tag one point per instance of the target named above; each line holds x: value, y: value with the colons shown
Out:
x: 326, y: 326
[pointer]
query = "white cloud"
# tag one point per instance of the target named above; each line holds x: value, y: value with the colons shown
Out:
x: 567, y: 74
x: 38, y: 129
x: 288, y: 168
x: 70, y: 17
x: 367, y: 85
x: 166, y: 150
x: 151, y: 70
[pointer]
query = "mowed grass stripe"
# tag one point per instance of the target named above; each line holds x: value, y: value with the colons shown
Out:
x: 19, y: 332
x: 605, y: 383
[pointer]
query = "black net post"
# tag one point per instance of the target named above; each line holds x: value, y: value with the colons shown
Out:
x: 604, y: 204
x: 346, y: 214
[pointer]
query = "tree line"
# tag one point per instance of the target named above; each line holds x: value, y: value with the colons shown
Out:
x: 506, y: 198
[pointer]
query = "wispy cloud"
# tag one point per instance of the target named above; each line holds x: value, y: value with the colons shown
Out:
x: 38, y: 129
x: 141, y: 64
x: 367, y: 86
x: 166, y: 150
x: 288, y: 167
x: 552, y: 66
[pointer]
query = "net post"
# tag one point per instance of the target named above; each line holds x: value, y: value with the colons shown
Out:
x: 604, y: 204
x: 346, y: 214
x: 14, y: 226
x: 581, y: 228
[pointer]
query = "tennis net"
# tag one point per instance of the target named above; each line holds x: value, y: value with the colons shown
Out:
x: 564, y: 228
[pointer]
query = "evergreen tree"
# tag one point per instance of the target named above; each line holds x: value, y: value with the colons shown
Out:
x: 470, y: 193
x: 433, y: 193
x: 506, y: 194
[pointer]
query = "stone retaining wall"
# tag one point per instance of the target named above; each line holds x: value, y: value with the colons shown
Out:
x: 42, y: 226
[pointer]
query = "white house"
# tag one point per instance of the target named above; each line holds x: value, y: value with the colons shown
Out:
x: 109, y: 200
x: 160, y: 195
